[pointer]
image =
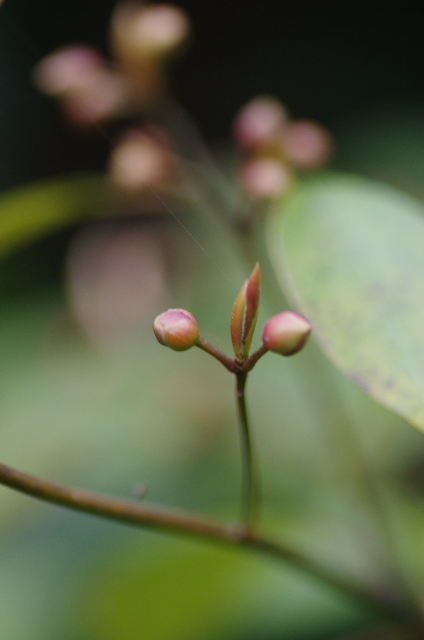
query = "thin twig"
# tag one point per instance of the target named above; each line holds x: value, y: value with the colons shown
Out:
x: 250, y: 489
x: 179, y: 521
x: 250, y: 483
x: 252, y: 360
x: 216, y: 353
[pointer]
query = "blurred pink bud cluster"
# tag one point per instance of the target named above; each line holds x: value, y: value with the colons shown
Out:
x: 90, y: 92
x: 275, y: 147
x: 93, y: 90
x: 143, y: 37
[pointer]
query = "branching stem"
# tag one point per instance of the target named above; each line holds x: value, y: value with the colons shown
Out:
x: 243, y: 366
x: 250, y: 482
x: 216, y: 353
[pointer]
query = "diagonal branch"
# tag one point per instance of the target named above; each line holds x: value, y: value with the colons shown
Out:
x: 179, y: 521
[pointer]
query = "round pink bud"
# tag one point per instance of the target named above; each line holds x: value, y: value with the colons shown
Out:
x: 176, y: 329
x: 307, y: 144
x: 95, y: 100
x: 68, y: 68
x: 141, y: 158
x: 286, y: 333
x: 147, y: 31
x: 265, y: 178
x: 258, y: 122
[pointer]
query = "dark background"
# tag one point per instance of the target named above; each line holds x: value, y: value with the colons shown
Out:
x: 323, y: 59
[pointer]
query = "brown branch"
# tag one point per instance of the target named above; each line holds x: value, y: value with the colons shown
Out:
x: 121, y: 509
x: 252, y: 360
x: 216, y: 353
x: 175, y: 520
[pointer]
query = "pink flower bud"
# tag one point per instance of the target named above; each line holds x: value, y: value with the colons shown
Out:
x: 286, y: 333
x: 245, y: 314
x: 258, y: 122
x: 98, y: 99
x: 90, y: 92
x: 68, y: 68
x: 176, y: 329
x: 140, y: 159
x: 265, y: 178
x: 307, y: 144
x: 152, y: 31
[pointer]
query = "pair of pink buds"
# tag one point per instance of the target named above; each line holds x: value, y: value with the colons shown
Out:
x: 285, y: 333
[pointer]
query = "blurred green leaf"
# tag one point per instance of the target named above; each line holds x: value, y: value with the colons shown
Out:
x: 29, y: 212
x: 350, y: 254
x: 177, y: 591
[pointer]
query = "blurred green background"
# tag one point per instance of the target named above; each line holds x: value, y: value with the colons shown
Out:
x: 88, y: 397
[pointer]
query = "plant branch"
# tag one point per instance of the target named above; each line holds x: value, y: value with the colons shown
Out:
x: 179, y: 521
x: 216, y: 353
x: 250, y: 489
x: 252, y: 360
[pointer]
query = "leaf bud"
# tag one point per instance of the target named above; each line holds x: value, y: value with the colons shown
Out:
x: 245, y: 314
x: 176, y: 329
x: 286, y: 333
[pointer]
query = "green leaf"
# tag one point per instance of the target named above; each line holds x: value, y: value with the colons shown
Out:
x: 175, y: 590
x: 349, y: 253
x: 27, y: 213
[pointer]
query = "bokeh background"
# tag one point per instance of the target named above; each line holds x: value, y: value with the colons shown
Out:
x: 88, y: 397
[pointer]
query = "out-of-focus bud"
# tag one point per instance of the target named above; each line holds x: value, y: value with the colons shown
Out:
x: 67, y: 68
x: 147, y: 31
x: 286, y: 333
x: 176, y: 329
x: 245, y: 314
x: 258, y: 123
x: 141, y: 159
x: 100, y: 99
x: 265, y: 178
x: 90, y: 92
x: 307, y: 144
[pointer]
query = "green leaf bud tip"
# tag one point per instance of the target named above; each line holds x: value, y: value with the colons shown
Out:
x: 286, y: 333
x: 176, y: 329
x: 245, y: 314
